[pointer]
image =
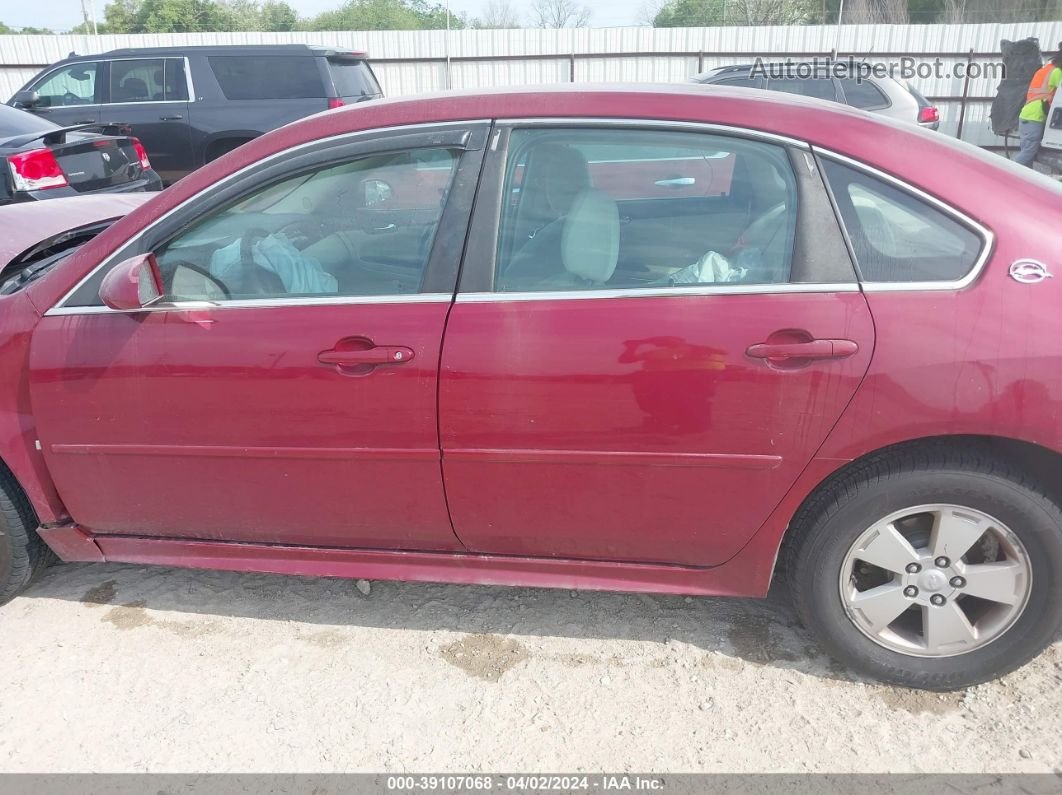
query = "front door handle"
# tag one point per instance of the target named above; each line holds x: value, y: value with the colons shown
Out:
x: 171, y: 118
x: 360, y: 356
x: 811, y: 349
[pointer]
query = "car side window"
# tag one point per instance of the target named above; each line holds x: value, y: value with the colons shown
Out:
x: 174, y: 80
x: 140, y: 80
x: 71, y: 85
x: 740, y: 82
x: 862, y: 94
x: 897, y: 236
x: 268, y: 76
x: 361, y: 228
x: 818, y: 87
x: 632, y: 208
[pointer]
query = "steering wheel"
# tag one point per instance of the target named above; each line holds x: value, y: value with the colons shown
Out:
x: 70, y: 98
x: 303, y: 232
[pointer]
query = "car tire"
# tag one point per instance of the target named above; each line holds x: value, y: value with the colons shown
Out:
x: 22, y: 553
x: 948, y: 491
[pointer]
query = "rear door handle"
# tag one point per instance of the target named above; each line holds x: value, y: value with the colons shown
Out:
x: 812, y: 349
x: 171, y: 118
x: 85, y: 121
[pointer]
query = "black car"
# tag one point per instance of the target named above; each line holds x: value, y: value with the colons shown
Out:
x: 41, y: 160
x: 190, y: 105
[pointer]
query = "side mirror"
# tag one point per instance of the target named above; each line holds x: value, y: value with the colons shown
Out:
x: 26, y: 99
x: 135, y: 283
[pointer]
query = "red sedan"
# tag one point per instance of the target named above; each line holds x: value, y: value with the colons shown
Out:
x: 644, y: 339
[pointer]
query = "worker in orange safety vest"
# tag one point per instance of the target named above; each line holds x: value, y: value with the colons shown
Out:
x: 1033, y: 119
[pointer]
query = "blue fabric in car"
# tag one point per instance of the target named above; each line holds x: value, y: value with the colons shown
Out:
x: 300, y: 274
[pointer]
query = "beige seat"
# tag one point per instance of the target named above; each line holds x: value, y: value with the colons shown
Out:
x: 556, y: 175
x: 589, y: 244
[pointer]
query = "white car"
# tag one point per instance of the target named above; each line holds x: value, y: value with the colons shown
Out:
x: 885, y: 95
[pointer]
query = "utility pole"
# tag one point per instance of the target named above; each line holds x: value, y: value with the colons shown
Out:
x: 88, y: 11
x: 840, y: 14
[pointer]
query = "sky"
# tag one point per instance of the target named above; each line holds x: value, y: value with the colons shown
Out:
x: 64, y: 14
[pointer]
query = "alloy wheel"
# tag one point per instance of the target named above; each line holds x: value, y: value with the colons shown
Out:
x: 935, y: 580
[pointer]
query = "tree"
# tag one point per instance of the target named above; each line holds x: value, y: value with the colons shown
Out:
x: 560, y: 14
x: 120, y: 16
x: 29, y: 30
x: 387, y: 15
x: 498, y: 14
x: 875, y: 12
x: 691, y: 14
x: 278, y: 16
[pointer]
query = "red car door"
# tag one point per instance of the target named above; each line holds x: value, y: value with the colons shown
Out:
x: 285, y: 389
x: 649, y: 345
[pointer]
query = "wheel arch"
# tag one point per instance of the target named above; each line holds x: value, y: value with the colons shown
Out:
x: 1042, y: 464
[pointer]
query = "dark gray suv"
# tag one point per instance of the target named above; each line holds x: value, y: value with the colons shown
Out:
x: 190, y: 105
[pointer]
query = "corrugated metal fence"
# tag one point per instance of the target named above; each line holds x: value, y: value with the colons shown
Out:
x: 410, y: 62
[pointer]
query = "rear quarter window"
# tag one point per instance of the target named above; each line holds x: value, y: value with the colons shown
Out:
x: 898, y: 236
x: 268, y: 76
x: 862, y: 94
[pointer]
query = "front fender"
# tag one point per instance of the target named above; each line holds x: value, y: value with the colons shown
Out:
x: 18, y: 433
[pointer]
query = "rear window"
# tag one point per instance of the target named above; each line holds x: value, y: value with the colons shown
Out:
x: 268, y: 76
x: 19, y: 122
x: 353, y: 78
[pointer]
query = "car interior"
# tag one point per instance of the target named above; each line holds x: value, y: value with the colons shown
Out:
x: 623, y: 209
x: 361, y: 228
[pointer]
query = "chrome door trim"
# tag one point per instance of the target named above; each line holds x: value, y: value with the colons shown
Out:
x: 656, y: 292
x: 235, y: 175
x: 677, y: 126
x: 988, y: 237
x: 257, y: 303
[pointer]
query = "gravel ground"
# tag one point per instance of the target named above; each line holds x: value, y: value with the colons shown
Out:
x: 125, y: 668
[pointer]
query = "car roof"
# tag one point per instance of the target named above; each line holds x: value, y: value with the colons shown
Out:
x: 225, y: 49
x: 933, y: 163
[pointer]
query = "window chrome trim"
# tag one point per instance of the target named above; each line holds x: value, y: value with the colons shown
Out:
x: 656, y: 292
x: 676, y: 126
x: 988, y: 237
x: 60, y: 309
x: 257, y: 303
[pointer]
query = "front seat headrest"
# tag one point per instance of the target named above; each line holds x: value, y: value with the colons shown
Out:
x: 590, y: 240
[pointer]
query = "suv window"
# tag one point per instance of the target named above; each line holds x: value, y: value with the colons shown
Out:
x: 353, y: 78
x: 268, y: 76
x: 71, y: 85
x: 592, y: 209
x: 898, y: 237
x: 862, y: 94
x: 148, y: 80
x: 740, y: 82
x: 361, y: 228
x: 818, y: 87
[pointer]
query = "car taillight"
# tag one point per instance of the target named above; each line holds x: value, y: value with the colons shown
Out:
x: 335, y: 102
x: 35, y: 170
x: 141, y: 152
x: 928, y: 115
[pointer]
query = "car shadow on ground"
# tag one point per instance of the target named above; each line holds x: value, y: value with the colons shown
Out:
x: 758, y: 632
